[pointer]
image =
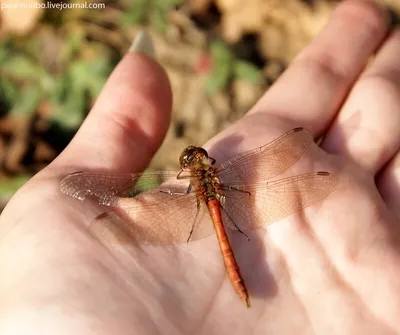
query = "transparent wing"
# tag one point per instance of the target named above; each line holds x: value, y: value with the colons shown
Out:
x: 267, y: 202
x: 267, y: 161
x: 155, y: 218
x: 108, y: 186
x: 143, y: 212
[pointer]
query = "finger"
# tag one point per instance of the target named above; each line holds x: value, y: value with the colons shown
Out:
x: 314, y: 86
x: 366, y: 129
x: 129, y: 119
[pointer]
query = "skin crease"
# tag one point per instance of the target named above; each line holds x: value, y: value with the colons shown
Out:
x: 333, y: 268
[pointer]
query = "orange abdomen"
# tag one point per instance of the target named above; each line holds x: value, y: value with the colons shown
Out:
x: 231, y: 266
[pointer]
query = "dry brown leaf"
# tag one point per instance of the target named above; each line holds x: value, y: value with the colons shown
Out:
x: 239, y: 17
x: 289, y: 26
x: 199, y: 6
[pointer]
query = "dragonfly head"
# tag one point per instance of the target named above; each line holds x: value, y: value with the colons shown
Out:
x: 193, y: 157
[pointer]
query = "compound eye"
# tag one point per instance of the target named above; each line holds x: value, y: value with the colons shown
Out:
x: 186, y: 157
x: 202, y: 153
x: 186, y: 160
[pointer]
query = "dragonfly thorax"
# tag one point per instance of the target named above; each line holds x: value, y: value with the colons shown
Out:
x: 206, y: 183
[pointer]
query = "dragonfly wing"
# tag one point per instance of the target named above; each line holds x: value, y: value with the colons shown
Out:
x: 161, y: 215
x: 108, y: 186
x: 272, y: 201
x: 268, y: 161
x: 155, y: 218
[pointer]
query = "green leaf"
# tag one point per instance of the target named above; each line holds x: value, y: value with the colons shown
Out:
x: 247, y: 71
x: 21, y: 67
x: 27, y: 101
x: 99, y: 72
x: 60, y: 89
x: 145, y: 184
x: 8, y: 91
x: 83, y: 80
x: 158, y: 20
x: 90, y: 75
x: 71, y: 113
x: 220, y: 53
x: 72, y: 44
x: 9, y: 186
x: 222, y: 67
x: 134, y: 16
x: 166, y: 4
x: 4, y: 52
x: 218, y: 79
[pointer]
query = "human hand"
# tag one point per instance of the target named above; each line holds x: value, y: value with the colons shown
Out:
x: 333, y: 268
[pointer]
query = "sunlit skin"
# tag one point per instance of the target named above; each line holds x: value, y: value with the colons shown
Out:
x: 333, y: 268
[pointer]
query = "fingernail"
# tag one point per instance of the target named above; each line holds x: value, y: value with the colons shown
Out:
x: 143, y: 43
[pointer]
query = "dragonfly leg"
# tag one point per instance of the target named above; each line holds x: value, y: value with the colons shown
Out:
x: 178, y: 193
x: 233, y: 188
x: 173, y: 193
x: 194, y: 221
x: 179, y: 177
x: 236, y: 226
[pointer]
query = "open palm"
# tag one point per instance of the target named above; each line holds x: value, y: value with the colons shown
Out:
x: 333, y: 268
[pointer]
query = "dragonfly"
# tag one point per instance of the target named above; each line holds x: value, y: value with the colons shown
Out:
x: 240, y: 194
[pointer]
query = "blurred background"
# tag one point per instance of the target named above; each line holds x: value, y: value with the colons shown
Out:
x: 220, y: 55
